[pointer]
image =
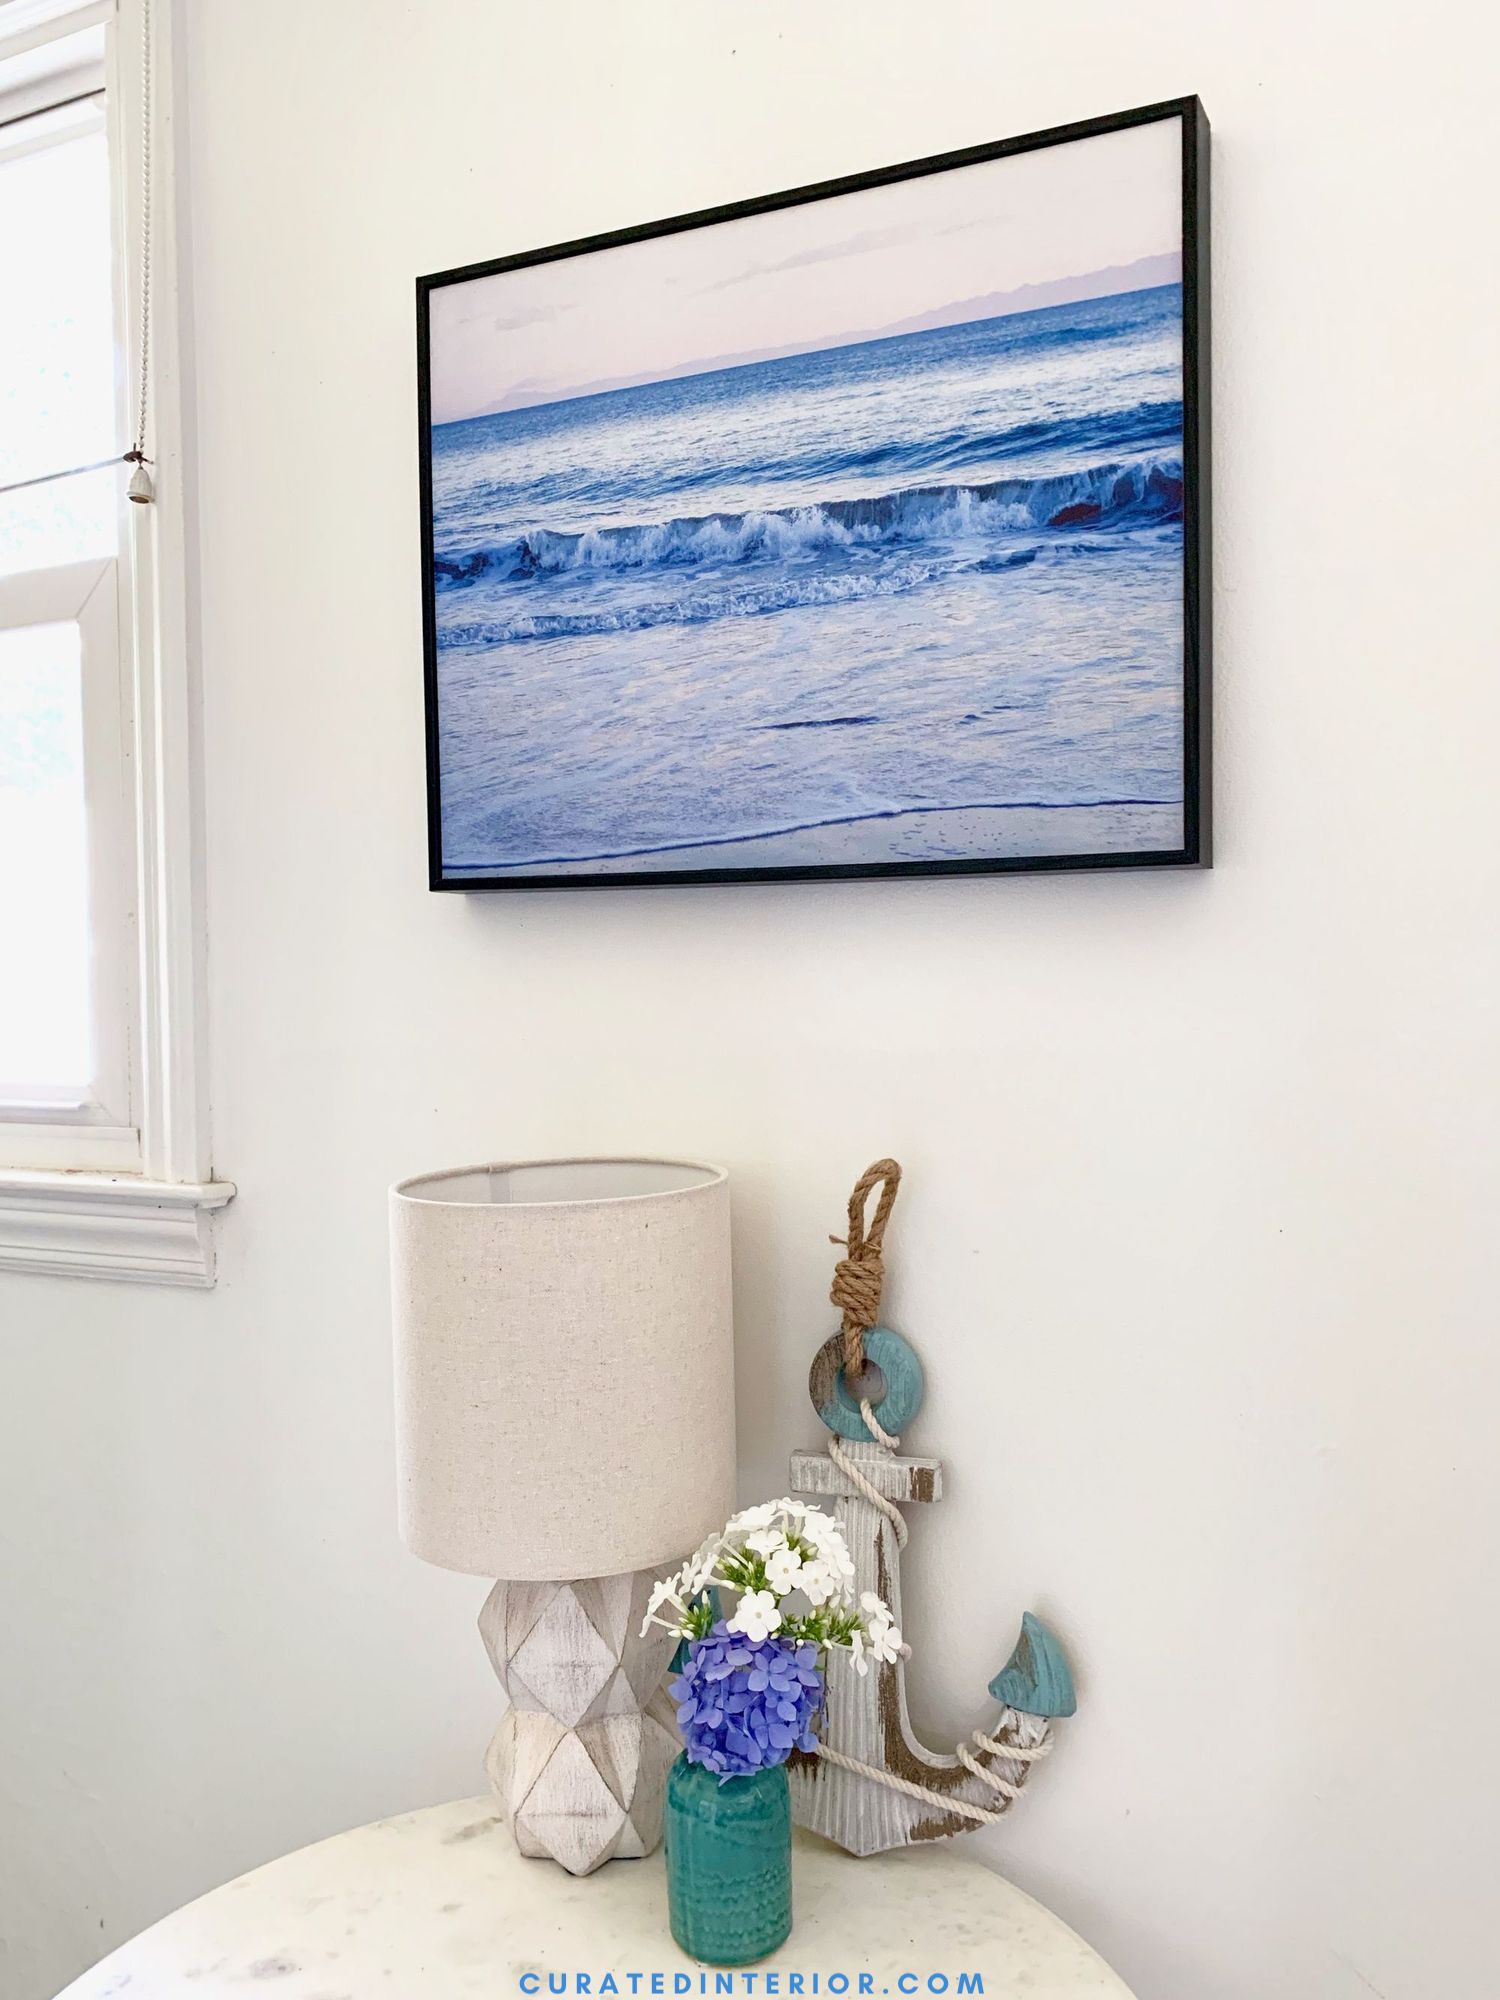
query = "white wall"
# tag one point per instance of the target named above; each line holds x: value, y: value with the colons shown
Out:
x: 1198, y: 1240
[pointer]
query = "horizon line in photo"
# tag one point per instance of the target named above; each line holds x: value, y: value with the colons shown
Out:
x: 1144, y: 274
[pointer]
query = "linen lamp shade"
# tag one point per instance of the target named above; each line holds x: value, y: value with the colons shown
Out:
x: 564, y: 1365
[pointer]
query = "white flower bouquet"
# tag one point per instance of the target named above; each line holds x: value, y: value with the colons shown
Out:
x: 765, y: 1556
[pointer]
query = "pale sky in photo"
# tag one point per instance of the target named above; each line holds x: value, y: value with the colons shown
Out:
x: 828, y: 272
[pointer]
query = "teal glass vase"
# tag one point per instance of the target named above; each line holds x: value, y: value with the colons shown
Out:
x: 729, y: 1863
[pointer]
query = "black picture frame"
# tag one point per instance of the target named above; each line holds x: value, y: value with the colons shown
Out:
x: 1196, y: 849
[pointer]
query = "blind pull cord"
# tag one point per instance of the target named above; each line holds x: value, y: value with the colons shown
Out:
x: 141, y: 486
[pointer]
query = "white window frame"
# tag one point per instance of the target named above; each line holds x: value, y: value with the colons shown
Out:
x: 120, y: 1184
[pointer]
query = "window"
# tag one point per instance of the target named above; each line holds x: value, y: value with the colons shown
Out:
x: 103, y: 1148
x: 66, y: 861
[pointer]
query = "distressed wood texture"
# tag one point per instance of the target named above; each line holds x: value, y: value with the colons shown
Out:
x: 895, y: 1402
x: 867, y: 1717
x: 579, y: 1762
x: 902, y: 1479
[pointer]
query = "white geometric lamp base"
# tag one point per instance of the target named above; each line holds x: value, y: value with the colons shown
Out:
x: 579, y: 1763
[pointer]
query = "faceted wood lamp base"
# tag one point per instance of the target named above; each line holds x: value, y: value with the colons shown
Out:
x: 579, y: 1763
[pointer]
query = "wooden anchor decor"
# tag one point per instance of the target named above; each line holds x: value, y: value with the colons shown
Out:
x: 871, y: 1785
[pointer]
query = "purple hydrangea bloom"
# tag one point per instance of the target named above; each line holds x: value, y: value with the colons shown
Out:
x: 746, y: 1704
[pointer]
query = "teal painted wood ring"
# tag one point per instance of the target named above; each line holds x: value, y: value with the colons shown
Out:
x: 897, y: 1362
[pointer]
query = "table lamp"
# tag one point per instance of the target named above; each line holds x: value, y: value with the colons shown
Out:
x: 565, y: 1423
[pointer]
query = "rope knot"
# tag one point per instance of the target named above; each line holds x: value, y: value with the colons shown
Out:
x: 857, y: 1285
x: 859, y: 1278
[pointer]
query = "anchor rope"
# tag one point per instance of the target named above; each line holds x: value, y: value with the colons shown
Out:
x: 859, y: 1277
x: 850, y: 1468
x: 1015, y: 1753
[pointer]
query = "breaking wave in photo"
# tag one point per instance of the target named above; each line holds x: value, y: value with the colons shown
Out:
x: 662, y: 609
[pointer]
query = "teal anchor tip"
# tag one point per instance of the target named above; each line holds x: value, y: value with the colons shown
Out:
x: 1036, y: 1680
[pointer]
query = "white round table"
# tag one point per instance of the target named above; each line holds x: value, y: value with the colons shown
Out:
x: 438, y: 1904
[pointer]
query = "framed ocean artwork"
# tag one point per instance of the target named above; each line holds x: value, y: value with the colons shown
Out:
x: 862, y: 529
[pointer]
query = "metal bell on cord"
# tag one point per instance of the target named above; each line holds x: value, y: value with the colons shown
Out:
x: 140, y: 487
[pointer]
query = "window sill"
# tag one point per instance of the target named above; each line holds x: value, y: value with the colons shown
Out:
x: 109, y: 1226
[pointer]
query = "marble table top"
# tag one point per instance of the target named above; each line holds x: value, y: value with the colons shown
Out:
x: 438, y: 1904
